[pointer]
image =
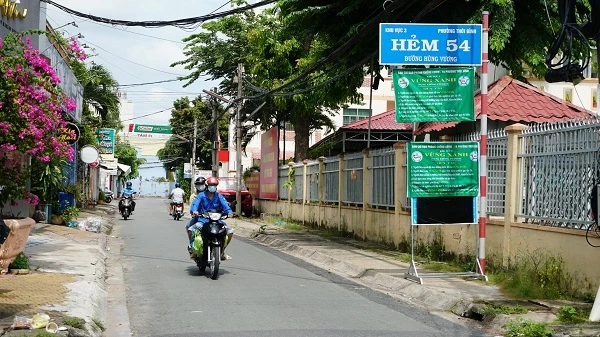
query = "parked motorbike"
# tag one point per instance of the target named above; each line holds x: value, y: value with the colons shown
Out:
x: 210, y: 242
x: 125, y: 205
x: 177, y: 211
x: 108, y: 197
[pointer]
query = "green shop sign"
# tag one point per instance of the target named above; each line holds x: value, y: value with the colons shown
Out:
x: 106, y: 141
x: 434, y: 95
x: 443, y: 169
x: 152, y: 129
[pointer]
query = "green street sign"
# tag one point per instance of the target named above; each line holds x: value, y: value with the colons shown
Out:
x: 152, y: 129
x: 434, y: 95
x: 106, y: 141
x: 443, y: 169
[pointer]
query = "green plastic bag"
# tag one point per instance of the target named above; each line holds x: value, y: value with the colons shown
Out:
x: 197, y: 245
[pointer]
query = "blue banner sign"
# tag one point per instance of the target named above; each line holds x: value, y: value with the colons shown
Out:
x: 429, y: 44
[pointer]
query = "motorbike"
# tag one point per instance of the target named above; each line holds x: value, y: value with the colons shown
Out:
x: 209, y: 243
x: 125, y: 205
x: 177, y: 211
x: 108, y: 197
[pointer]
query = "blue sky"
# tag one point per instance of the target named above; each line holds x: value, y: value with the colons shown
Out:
x: 137, y: 54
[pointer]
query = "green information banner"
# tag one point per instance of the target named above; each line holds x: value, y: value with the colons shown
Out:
x: 106, y: 141
x: 434, y: 95
x: 443, y: 169
x: 152, y: 128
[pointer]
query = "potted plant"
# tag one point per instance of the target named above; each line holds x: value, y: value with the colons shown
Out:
x: 70, y: 213
x: 56, y: 218
x: 20, y: 265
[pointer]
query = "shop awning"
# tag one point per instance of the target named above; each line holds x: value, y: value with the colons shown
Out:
x: 125, y: 169
x: 109, y: 167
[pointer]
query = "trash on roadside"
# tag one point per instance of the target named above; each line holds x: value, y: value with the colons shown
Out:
x: 39, y: 321
x: 21, y: 322
x: 52, y: 327
x: 92, y: 224
x: 280, y: 223
x: 72, y: 224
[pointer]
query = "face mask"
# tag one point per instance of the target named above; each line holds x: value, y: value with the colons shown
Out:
x: 201, y: 188
x: 212, y: 189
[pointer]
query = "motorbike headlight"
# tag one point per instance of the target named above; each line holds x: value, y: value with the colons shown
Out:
x: 214, y: 216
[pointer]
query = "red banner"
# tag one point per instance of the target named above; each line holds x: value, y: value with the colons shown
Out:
x: 269, y: 164
x: 253, y: 184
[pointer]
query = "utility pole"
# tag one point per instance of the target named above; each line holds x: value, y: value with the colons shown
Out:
x: 194, y: 156
x: 238, y: 141
x: 215, y: 143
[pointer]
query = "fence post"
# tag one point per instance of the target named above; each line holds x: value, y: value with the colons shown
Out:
x: 366, y: 190
x: 400, y: 185
x: 304, y: 189
x: 340, y: 189
x: 321, y: 187
x: 512, y: 193
x: 291, y: 188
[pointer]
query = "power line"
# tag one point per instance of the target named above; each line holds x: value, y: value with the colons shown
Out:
x: 139, y: 64
x: 186, y: 23
x: 147, y: 83
x: 150, y: 114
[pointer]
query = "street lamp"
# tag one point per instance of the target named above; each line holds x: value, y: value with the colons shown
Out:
x: 74, y: 24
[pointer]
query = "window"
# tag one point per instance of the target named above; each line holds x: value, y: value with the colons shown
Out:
x: 568, y: 94
x: 594, y: 99
x: 352, y: 115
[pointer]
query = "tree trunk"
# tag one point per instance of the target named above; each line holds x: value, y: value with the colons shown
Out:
x: 301, y: 128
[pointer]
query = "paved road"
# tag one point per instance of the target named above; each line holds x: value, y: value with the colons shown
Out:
x: 261, y: 292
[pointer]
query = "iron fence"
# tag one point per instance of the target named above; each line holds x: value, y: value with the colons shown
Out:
x: 284, y: 191
x: 383, y: 162
x: 331, y: 167
x: 298, y: 181
x: 559, y: 170
x: 312, y: 185
x: 353, y: 176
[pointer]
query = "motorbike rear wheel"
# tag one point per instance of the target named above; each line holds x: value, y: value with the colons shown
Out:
x: 215, y: 253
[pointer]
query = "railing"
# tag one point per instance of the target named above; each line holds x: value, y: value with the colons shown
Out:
x: 353, y: 176
x: 555, y: 167
x: 383, y: 162
x: 559, y: 168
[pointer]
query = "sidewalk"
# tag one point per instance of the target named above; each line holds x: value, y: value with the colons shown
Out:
x: 455, y: 298
x: 67, y: 277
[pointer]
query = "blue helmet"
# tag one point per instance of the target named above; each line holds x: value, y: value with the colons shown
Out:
x: 177, y: 185
x: 128, y: 184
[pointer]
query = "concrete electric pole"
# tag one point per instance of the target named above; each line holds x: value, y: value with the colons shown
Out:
x: 238, y: 141
x: 192, y: 191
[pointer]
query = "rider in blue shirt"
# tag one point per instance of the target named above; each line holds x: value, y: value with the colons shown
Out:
x: 209, y: 200
x: 128, y: 190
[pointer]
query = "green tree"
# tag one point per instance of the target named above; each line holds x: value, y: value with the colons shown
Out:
x: 271, y: 57
x: 520, y: 31
x: 178, y: 149
x: 128, y: 155
x: 99, y: 94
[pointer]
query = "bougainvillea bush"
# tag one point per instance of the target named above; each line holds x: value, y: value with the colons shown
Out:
x: 31, y: 112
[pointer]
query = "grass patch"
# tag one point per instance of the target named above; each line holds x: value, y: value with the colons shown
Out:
x: 536, y: 275
x: 569, y: 314
x: 293, y: 226
x: 526, y: 328
x: 40, y: 334
x: 491, y: 309
x: 75, y: 322
x: 98, y: 323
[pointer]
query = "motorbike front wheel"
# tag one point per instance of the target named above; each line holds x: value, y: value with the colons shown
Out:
x: 215, y: 254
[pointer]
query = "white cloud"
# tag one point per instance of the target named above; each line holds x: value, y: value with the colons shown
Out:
x: 113, y: 45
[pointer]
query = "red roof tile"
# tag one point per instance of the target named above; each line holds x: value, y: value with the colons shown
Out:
x: 383, y: 121
x: 515, y: 101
